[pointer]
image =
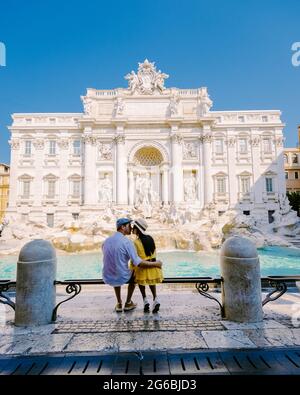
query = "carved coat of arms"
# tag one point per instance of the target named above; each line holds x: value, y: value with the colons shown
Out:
x: 147, y: 81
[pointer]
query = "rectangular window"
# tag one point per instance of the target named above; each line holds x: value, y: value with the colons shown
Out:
x: 220, y: 213
x: 50, y: 220
x: 221, y: 185
x: 269, y: 184
x: 245, y: 184
x: 52, y: 147
x: 51, y: 188
x: 267, y: 146
x: 26, y: 188
x: 76, y: 147
x: 286, y: 175
x: 27, y: 147
x: 296, y: 175
x: 219, y: 146
x: 76, y: 189
x: 241, y: 118
x: 243, y: 146
x: 246, y: 212
x: 75, y: 215
x: 264, y: 118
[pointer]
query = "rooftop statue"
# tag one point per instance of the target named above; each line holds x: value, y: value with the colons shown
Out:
x: 147, y: 80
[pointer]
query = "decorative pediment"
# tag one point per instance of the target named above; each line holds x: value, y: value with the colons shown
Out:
x: 245, y: 174
x: 147, y: 81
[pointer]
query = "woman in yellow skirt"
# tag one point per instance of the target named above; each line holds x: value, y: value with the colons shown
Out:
x: 145, y: 247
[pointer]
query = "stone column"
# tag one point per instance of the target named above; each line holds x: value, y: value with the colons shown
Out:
x: 90, y: 193
x: 121, y: 170
x: 177, y: 171
x: 201, y: 174
x: 63, y: 145
x: 280, y: 162
x: 208, y: 181
x: 165, y: 185
x: 13, y: 176
x: 232, y: 180
x: 258, y: 179
x: 38, y: 188
x: 131, y: 187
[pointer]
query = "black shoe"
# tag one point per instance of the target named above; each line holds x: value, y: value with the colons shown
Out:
x: 155, y: 307
x: 146, y: 306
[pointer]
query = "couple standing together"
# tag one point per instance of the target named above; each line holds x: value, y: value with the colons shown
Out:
x: 143, y: 269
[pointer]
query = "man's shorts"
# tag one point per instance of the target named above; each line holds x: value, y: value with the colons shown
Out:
x: 131, y: 280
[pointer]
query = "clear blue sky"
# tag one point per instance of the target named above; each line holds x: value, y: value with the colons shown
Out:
x: 240, y: 50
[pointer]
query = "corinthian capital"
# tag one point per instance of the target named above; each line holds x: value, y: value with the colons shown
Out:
x: 231, y: 141
x: 14, y: 143
x: 38, y: 144
x: 279, y: 141
x: 255, y: 141
x: 119, y: 139
x: 206, y: 138
x: 63, y: 143
x: 177, y: 138
x: 90, y: 140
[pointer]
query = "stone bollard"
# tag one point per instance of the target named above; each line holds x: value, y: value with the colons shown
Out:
x: 35, y: 290
x: 241, y: 287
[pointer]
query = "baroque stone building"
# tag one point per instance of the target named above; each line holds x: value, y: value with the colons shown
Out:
x: 145, y: 146
x: 292, y: 167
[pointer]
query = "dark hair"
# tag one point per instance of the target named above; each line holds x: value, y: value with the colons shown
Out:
x: 147, y: 241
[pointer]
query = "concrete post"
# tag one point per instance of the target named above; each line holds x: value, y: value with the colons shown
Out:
x: 35, y: 290
x: 241, y: 288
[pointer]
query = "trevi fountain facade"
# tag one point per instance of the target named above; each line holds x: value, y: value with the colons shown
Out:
x: 195, y: 174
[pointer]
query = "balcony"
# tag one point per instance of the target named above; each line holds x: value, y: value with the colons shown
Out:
x: 24, y: 200
x: 221, y: 197
x: 50, y: 199
x: 270, y: 197
x: 74, y: 200
x: 246, y: 197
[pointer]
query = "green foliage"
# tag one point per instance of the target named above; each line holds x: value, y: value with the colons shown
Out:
x: 294, y: 199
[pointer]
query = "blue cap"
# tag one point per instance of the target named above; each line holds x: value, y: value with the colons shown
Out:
x: 122, y: 221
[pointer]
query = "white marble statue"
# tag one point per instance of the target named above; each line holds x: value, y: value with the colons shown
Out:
x: 147, y: 81
x: 190, y: 193
x: 205, y: 102
x: 143, y: 186
x: 87, y: 105
x: 284, y: 204
x: 105, y: 189
x: 173, y: 106
x: 119, y: 106
x: 133, y: 81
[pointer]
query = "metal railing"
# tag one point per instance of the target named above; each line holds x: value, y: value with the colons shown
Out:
x: 279, y: 284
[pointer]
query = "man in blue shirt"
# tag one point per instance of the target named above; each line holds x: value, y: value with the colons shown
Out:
x: 117, y: 251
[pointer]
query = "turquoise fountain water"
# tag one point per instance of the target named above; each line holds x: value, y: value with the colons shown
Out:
x: 273, y: 260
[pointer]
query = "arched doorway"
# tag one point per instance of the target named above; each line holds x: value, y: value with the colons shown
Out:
x: 147, y: 176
